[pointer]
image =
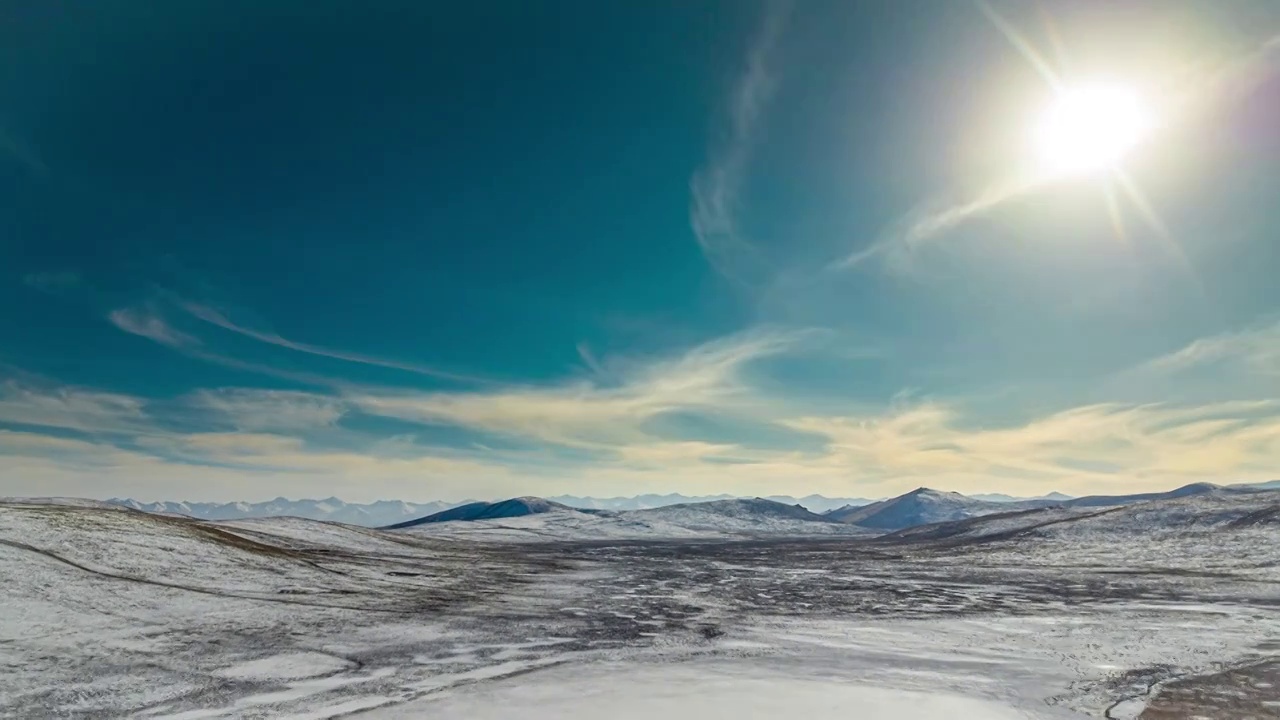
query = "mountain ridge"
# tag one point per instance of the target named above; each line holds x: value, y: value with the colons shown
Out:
x: 382, y: 513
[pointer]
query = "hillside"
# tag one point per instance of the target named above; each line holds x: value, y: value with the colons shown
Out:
x: 1201, y: 488
x: 471, y: 512
x: 1185, y: 515
x: 753, y: 516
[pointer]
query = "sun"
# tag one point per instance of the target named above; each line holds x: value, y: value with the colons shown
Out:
x: 1090, y: 128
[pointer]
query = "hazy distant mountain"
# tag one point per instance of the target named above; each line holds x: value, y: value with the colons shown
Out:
x: 1002, y: 498
x: 813, y: 503
x: 375, y: 514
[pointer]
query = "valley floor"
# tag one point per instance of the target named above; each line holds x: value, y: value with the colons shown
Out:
x: 111, y: 613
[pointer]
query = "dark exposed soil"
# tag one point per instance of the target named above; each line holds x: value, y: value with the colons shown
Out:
x: 1245, y: 693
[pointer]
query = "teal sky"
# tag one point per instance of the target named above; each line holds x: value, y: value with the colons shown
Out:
x: 401, y: 250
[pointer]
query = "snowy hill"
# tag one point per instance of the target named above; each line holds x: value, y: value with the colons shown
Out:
x: 753, y: 509
x: 753, y: 516
x: 918, y: 507
x: 375, y: 514
x: 1202, y: 488
x: 1185, y: 515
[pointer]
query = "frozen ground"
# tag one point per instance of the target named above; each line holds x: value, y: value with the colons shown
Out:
x: 110, y: 613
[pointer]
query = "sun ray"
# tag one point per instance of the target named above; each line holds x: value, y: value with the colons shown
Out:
x: 1021, y: 44
x: 1113, y: 210
x: 1157, y: 225
x: 1055, y: 40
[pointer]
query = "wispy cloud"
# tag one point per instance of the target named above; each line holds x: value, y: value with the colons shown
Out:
x: 717, y: 185
x: 70, y: 408
x: 930, y: 222
x: 587, y: 414
x: 52, y: 282
x: 148, y: 324
x: 214, y: 317
x: 22, y: 152
x: 1256, y: 350
x: 270, y: 410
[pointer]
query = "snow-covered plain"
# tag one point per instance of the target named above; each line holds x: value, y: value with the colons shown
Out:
x: 111, y: 612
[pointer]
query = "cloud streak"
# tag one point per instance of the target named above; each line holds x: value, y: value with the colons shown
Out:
x: 1256, y: 351
x: 150, y: 325
x: 716, y: 186
x: 214, y: 317
x: 929, y: 223
x: 270, y: 410
x: 52, y: 283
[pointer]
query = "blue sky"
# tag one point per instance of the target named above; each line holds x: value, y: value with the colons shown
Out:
x: 394, y: 249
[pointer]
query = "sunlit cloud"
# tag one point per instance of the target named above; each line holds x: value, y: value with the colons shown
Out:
x: 1081, y: 450
x: 236, y: 466
x: 587, y: 414
x: 241, y: 443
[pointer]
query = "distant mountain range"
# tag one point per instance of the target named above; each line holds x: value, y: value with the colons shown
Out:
x: 375, y: 514
x: 391, y: 512
x: 542, y: 518
x: 813, y: 503
x: 1002, y: 498
x: 921, y: 506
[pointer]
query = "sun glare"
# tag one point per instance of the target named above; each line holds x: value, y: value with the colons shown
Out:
x: 1090, y: 128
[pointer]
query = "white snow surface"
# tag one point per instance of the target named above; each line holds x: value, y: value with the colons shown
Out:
x: 715, y: 689
x: 113, y: 613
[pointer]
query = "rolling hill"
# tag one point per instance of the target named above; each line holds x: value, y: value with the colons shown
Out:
x: 471, y: 512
